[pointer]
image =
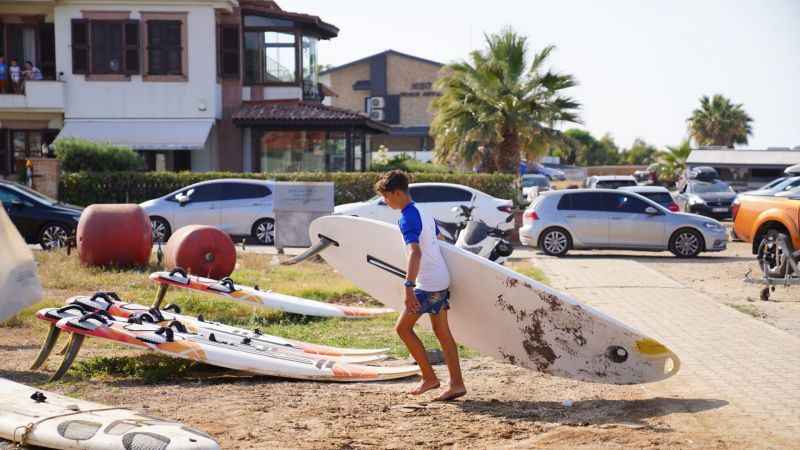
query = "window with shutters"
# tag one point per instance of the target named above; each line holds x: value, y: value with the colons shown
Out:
x: 164, y: 47
x: 229, y: 51
x: 105, y: 47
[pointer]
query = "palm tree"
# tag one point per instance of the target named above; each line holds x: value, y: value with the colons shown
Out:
x: 718, y: 121
x: 672, y: 163
x: 497, y: 107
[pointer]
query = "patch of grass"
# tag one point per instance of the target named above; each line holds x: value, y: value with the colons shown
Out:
x: 750, y: 310
x: 530, y: 271
x: 150, y: 368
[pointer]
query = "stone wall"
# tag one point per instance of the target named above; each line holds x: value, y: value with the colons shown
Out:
x: 341, y: 82
x: 413, y: 81
x: 46, y: 175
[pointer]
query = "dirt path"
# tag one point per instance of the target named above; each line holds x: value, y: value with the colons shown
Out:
x: 507, y: 407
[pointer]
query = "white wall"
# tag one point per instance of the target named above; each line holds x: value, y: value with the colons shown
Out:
x: 137, y: 98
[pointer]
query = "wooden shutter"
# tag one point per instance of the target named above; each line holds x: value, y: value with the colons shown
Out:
x: 131, y: 47
x: 392, y: 109
x: 80, y: 46
x: 229, y: 51
x: 47, y: 50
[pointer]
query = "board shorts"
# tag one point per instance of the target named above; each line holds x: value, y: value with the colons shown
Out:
x: 432, y: 302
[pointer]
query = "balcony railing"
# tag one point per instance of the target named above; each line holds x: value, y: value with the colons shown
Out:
x: 47, y: 95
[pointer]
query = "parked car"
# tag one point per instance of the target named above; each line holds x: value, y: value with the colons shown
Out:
x: 440, y: 200
x: 559, y: 221
x: 792, y: 170
x: 783, y: 184
x: 551, y: 173
x: 609, y: 181
x: 39, y: 218
x: 657, y: 194
x: 707, y: 198
x: 758, y: 217
x: 533, y: 185
x: 236, y: 206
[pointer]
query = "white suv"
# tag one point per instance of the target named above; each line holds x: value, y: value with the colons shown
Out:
x: 439, y: 199
x: 238, y: 207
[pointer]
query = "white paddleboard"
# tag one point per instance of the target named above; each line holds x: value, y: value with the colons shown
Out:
x: 500, y: 312
x: 65, y: 423
x: 19, y: 284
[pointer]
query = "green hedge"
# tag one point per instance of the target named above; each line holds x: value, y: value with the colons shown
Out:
x: 80, y: 155
x: 135, y: 187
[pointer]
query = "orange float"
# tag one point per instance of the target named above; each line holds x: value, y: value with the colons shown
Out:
x: 201, y: 250
x: 114, y: 235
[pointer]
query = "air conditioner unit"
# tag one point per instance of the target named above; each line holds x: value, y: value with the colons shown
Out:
x: 377, y: 103
x: 377, y: 115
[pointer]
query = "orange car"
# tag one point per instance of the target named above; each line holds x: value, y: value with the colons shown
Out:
x: 757, y: 217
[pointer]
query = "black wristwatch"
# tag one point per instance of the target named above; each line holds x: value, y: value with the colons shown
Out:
x: 409, y: 284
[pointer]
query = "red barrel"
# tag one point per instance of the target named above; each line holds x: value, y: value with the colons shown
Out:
x: 201, y: 250
x: 114, y: 235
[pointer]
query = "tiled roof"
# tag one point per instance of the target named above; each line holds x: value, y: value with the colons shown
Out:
x: 286, y: 113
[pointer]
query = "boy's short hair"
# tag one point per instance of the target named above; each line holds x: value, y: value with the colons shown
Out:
x: 394, y: 180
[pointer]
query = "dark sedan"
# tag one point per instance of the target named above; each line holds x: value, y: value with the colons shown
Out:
x: 39, y: 219
x: 707, y: 198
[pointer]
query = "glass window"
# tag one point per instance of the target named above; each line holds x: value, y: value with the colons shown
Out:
x: 204, y: 193
x: 336, y: 154
x: 614, y: 184
x: 35, y: 144
x: 587, y: 201
x: 703, y: 187
x: 106, y: 47
x: 7, y: 197
x: 270, y: 57
x: 164, y: 47
x: 310, y: 60
x: 439, y: 194
x: 662, y: 198
x: 20, y: 145
x: 303, y: 151
x: 627, y: 204
x: 240, y: 191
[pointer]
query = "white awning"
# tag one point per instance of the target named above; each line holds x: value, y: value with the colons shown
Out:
x: 166, y: 134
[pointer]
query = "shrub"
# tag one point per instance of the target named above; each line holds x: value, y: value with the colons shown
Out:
x: 136, y: 187
x: 80, y: 155
x: 409, y: 164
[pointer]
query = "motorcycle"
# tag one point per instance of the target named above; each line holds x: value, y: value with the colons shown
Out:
x: 477, y: 237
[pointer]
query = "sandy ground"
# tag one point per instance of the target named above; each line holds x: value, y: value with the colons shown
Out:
x: 507, y: 407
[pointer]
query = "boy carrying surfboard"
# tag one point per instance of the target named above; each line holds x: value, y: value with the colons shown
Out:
x: 426, y: 286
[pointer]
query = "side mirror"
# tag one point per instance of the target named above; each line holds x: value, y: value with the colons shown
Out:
x: 651, y: 211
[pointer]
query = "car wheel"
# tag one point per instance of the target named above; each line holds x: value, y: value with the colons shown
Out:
x: 686, y: 243
x: 555, y: 242
x: 161, y: 229
x: 773, y: 261
x: 264, y: 231
x: 53, y: 236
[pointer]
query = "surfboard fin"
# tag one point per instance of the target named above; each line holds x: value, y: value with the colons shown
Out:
x: 74, y: 347
x: 323, y: 243
x: 47, y: 347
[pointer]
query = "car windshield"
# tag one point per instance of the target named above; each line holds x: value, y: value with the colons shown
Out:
x: 534, y: 181
x: 703, y: 187
x: 38, y: 196
x: 614, y: 184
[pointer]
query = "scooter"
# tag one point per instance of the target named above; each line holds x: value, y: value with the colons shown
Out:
x: 779, y: 263
x: 450, y: 230
x: 477, y: 237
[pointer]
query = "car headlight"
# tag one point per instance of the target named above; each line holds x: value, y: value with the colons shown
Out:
x: 713, y: 226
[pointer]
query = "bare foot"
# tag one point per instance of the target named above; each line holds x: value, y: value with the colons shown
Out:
x: 425, y: 386
x: 452, y: 393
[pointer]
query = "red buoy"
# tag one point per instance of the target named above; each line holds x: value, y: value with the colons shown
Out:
x: 114, y: 235
x: 201, y: 250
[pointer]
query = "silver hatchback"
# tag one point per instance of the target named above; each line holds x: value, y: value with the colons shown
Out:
x: 558, y: 221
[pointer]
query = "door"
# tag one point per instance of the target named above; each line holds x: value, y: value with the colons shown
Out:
x: 201, y: 208
x: 22, y: 213
x: 631, y: 226
x: 586, y: 215
x: 439, y: 201
x: 242, y: 204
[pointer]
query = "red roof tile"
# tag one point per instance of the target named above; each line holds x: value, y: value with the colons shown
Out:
x: 294, y: 112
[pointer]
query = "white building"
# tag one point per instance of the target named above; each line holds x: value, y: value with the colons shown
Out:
x: 191, y: 84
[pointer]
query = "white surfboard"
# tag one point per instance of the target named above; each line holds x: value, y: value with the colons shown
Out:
x: 265, y: 299
x: 19, y: 284
x: 497, y: 311
x: 61, y: 422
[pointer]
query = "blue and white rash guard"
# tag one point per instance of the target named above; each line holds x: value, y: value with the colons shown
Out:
x: 420, y: 229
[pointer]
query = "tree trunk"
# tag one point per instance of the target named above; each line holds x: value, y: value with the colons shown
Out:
x: 507, y: 154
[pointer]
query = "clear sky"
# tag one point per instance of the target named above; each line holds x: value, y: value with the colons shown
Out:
x: 641, y: 65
